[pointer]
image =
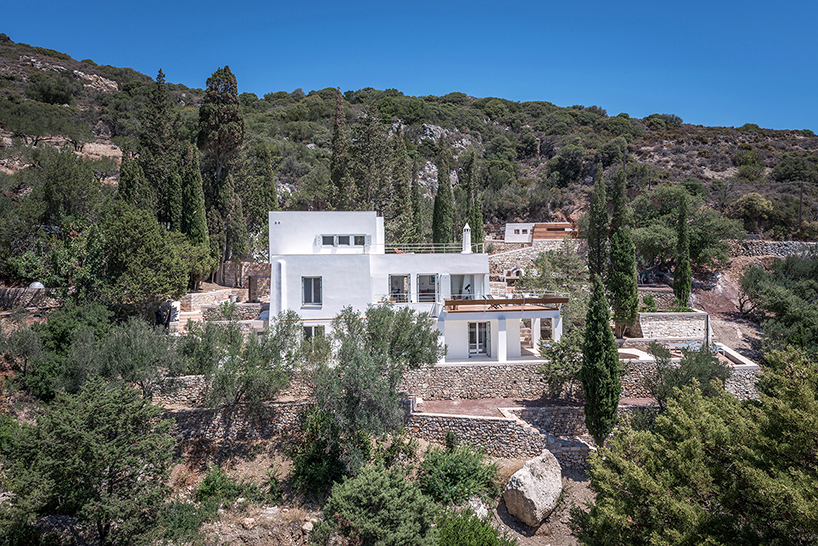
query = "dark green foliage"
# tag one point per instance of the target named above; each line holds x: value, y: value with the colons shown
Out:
x: 143, y: 264
x: 317, y: 459
x: 566, y: 168
x: 682, y: 276
x: 52, y: 89
x: 698, y: 368
x: 793, y: 168
x: 133, y: 186
x: 598, y: 228
x: 220, y: 489
x: 464, y: 528
x: 784, y: 298
x: 378, y: 507
x: 221, y: 126
x: 453, y: 475
x: 398, y: 217
x: 600, y: 367
x: 561, y: 370
x: 443, y: 217
x: 68, y: 190
x: 473, y: 213
x: 715, y: 470
x: 417, y: 209
x: 102, y: 455
x: 360, y: 392
x: 621, y: 279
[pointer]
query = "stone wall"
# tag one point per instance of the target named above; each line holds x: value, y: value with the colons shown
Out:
x: 195, y: 300
x: 243, y: 311
x: 523, y: 258
x: 12, y: 298
x: 770, y: 248
x: 189, y: 390
x: 663, y: 297
x: 470, y: 381
x: 238, y: 274
x: 236, y: 424
x: 670, y: 325
x: 259, y: 288
x: 742, y: 382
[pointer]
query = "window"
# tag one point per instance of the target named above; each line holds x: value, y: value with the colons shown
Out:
x: 313, y: 331
x: 311, y: 290
x: 427, y: 288
x: 360, y: 240
x: 525, y: 231
x: 343, y: 240
x: 327, y: 240
x: 516, y: 232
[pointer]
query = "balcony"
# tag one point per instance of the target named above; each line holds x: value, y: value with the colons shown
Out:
x: 528, y: 301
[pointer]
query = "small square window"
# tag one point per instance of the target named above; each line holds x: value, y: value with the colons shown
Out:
x: 525, y: 231
x: 311, y: 290
x: 343, y: 240
x: 360, y: 240
x: 327, y: 240
x: 516, y: 232
x: 313, y: 331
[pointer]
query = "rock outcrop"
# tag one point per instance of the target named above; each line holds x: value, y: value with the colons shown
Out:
x: 532, y: 492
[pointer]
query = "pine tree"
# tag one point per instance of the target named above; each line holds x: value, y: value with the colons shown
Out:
x: 400, y: 227
x: 621, y: 280
x: 598, y: 228
x: 682, y: 276
x: 443, y: 217
x: 600, y: 367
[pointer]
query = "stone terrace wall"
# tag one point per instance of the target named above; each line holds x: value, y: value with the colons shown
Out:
x: 770, y: 248
x: 663, y: 297
x: 522, y: 258
x: 12, y: 298
x: 468, y: 381
x: 742, y: 382
x: 195, y: 300
x: 681, y: 325
x: 226, y: 424
x: 189, y: 390
x: 243, y: 311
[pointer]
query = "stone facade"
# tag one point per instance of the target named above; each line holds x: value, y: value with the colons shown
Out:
x: 238, y: 274
x: 742, y: 382
x: 468, y: 381
x: 663, y: 297
x: 259, y: 288
x: 190, y: 390
x: 236, y: 424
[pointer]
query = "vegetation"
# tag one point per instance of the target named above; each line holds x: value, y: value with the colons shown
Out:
x: 378, y: 506
x: 600, y: 368
x: 102, y: 455
x: 466, y: 529
x: 621, y: 280
x: 682, y: 276
x: 459, y: 471
x: 714, y: 469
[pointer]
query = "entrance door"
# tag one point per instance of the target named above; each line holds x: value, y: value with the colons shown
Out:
x: 479, y: 339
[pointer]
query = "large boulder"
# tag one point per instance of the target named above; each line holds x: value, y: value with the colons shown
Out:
x: 532, y: 492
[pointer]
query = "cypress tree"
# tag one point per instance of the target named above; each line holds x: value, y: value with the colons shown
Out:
x: 221, y: 125
x: 600, y: 367
x: 342, y: 190
x: 194, y: 218
x: 175, y: 201
x: 682, y: 276
x: 598, y: 228
x: 133, y: 186
x: 400, y: 226
x: 622, y: 283
x: 417, y: 208
x: 474, y: 207
x: 443, y: 218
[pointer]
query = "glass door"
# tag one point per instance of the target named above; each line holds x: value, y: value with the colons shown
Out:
x: 479, y: 339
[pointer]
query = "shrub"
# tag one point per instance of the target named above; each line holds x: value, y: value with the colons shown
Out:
x: 317, y: 460
x: 649, y: 304
x: 218, y: 488
x: 466, y: 529
x: 380, y: 507
x: 453, y: 475
x: 698, y: 368
x: 563, y: 362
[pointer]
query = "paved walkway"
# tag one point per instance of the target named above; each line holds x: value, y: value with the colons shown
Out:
x: 488, y: 407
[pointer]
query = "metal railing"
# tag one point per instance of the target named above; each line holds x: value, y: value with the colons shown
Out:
x: 429, y: 248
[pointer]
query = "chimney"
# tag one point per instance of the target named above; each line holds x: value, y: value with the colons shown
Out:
x: 466, y: 240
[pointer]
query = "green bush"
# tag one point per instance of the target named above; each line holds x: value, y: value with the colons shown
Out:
x: 649, y: 304
x: 218, y: 488
x: 378, y: 507
x: 466, y: 529
x: 453, y: 475
x: 317, y: 460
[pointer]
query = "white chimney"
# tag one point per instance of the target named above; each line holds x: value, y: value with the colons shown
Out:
x: 466, y: 239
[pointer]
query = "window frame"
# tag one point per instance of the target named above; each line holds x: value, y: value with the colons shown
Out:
x: 312, y: 302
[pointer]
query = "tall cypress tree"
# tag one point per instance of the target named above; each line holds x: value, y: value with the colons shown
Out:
x: 221, y: 125
x: 600, y: 367
x: 133, y: 186
x: 343, y: 191
x: 443, y: 217
x: 175, y: 201
x: 474, y: 207
x: 598, y: 228
x: 194, y: 218
x: 400, y: 226
x: 682, y: 276
x: 417, y: 208
x: 621, y: 280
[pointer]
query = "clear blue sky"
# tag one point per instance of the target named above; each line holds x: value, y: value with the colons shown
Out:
x: 716, y: 62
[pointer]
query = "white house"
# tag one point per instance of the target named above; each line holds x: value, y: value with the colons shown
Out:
x: 324, y: 261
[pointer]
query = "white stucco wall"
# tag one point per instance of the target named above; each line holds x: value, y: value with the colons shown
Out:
x: 295, y: 232
x: 511, y: 237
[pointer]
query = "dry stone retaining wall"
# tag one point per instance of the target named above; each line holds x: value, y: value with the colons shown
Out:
x: 663, y: 297
x: 195, y: 300
x: 770, y: 248
x: 12, y: 298
x: 236, y: 424
x: 238, y: 274
x: 468, y: 381
x: 669, y: 325
x: 242, y: 311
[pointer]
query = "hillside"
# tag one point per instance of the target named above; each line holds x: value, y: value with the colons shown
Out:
x: 536, y: 159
